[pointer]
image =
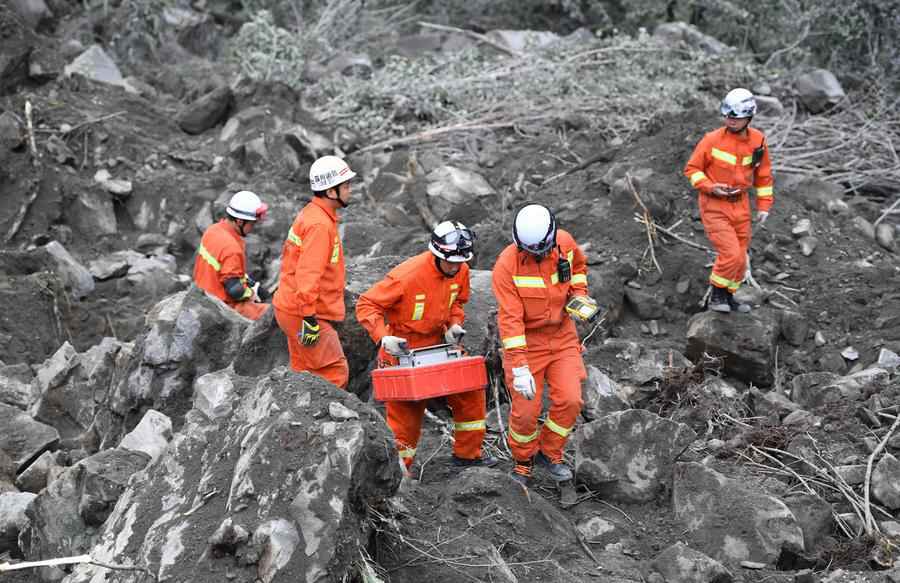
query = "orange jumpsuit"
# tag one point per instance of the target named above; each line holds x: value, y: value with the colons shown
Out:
x: 312, y: 284
x: 417, y: 302
x: 536, y: 330
x: 222, y: 255
x: 727, y: 157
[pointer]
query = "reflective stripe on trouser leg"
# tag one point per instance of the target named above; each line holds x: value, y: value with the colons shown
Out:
x: 325, y: 358
x: 405, y: 420
x: 728, y: 229
x: 523, y: 415
x: 563, y: 377
x: 468, y: 423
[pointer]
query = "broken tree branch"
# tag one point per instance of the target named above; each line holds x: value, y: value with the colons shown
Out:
x: 887, y: 212
x: 474, y: 36
x: 870, y: 525
x: 648, y: 220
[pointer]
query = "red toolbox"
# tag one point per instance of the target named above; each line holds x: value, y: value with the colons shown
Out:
x: 433, y: 371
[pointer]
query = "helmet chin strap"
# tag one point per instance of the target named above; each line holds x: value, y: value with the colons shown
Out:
x: 338, y: 198
x: 437, y: 263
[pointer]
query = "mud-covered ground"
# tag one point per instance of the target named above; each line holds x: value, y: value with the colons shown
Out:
x: 847, y: 289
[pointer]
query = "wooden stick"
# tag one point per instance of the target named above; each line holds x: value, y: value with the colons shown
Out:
x: 472, y: 35
x: 648, y: 220
x: 668, y: 232
x: 886, y: 213
x: 870, y: 525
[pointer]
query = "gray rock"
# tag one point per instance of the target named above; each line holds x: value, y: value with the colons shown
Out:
x: 339, y: 412
x: 729, y: 520
x: 96, y: 65
x: 13, y: 519
x: 884, y: 236
x: 794, y: 327
x: 864, y: 227
x: 93, y: 213
x: 74, y: 388
x: 73, y: 274
x: 808, y: 245
x: 628, y: 455
x: 601, y: 395
x: 33, y: 12
x: 801, y: 420
x: 819, y: 90
x: 23, y: 438
x: 12, y: 133
x: 679, y: 34
x: 263, y: 348
x: 681, y: 564
x: 645, y: 304
x: 327, y: 473
x: 114, y: 265
x: 213, y: 394
x: 887, y: 359
x: 116, y: 186
x: 815, y: 517
x: 654, y: 365
x: 886, y: 481
x: 206, y: 112
x: 449, y: 186
x: 769, y: 106
x: 806, y: 387
x: 151, y: 436
x: 43, y: 471
x: 802, y: 228
x: 769, y: 402
x: 16, y: 387
x: 596, y: 528
x: 65, y: 517
x: 852, y: 474
x: 351, y: 64
x: 745, y: 341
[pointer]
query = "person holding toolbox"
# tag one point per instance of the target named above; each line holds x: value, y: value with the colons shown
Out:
x: 310, y: 291
x: 539, y: 281
x: 420, y: 303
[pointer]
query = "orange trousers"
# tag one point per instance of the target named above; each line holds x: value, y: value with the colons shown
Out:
x: 727, y: 226
x: 563, y: 371
x: 405, y: 420
x: 252, y: 310
x: 325, y: 358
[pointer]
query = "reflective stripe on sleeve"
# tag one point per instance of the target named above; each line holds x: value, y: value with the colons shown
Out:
x: 764, y: 191
x: 514, y: 342
x: 336, y: 250
x: 697, y: 177
x: 579, y: 278
x: 293, y: 238
x: 207, y: 256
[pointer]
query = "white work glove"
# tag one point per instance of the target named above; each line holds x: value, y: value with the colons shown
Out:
x: 523, y: 381
x: 761, y: 217
x: 255, y: 289
x: 454, y: 334
x: 394, y: 345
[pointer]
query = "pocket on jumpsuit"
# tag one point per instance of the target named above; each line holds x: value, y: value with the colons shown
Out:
x: 535, y: 302
x: 326, y: 351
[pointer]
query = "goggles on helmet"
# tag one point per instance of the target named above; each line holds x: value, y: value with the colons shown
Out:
x: 456, y: 243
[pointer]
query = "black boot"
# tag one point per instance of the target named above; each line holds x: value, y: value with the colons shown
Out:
x: 718, y: 300
x: 737, y: 306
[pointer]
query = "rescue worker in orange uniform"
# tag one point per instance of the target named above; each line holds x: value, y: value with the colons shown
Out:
x: 539, y: 281
x: 220, y: 268
x: 310, y: 293
x: 420, y: 303
x: 725, y: 165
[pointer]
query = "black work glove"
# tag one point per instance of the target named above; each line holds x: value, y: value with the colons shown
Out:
x: 309, y: 331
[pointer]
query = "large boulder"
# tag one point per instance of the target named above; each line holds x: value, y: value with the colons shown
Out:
x: 746, y: 342
x: 188, y: 335
x: 206, y: 112
x: 74, y: 389
x: 816, y: 389
x: 23, y: 439
x: 263, y: 347
x: 886, y: 481
x: 284, y: 489
x: 457, y: 191
x: 13, y: 519
x: 678, y: 35
x: 628, y: 455
x: 601, y: 395
x: 819, y: 90
x: 96, y: 65
x: 66, y: 516
x: 731, y: 521
x: 680, y: 563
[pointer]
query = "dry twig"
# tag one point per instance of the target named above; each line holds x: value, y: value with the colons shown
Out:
x: 870, y: 525
x: 648, y: 220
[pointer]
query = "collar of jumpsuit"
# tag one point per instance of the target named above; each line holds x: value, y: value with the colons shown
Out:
x: 322, y: 204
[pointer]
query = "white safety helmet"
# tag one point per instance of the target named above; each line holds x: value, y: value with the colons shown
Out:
x: 739, y: 103
x: 453, y: 242
x: 328, y: 172
x: 534, y: 229
x: 246, y: 205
